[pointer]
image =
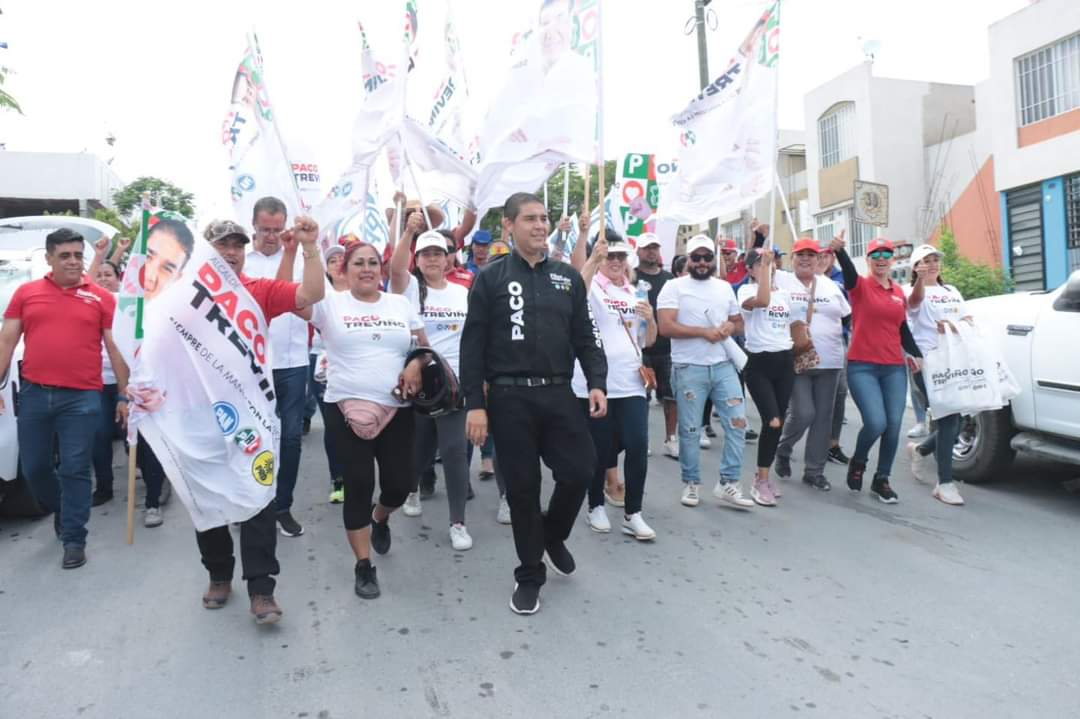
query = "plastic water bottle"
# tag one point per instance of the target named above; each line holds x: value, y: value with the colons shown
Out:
x: 643, y: 288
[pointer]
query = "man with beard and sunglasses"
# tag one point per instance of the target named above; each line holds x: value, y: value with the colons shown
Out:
x: 699, y: 312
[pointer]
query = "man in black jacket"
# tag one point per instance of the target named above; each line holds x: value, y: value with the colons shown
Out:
x: 528, y: 320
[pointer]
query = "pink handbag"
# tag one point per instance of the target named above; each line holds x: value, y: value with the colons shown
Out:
x: 366, y: 418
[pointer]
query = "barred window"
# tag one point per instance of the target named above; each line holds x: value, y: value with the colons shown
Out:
x: 1048, y: 80
x: 836, y: 134
x: 1072, y: 218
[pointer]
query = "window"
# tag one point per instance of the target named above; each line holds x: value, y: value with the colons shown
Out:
x: 1048, y: 80
x: 1072, y: 220
x: 860, y: 236
x: 735, y: 230
x: 836, y: 134
x: 827, y: 226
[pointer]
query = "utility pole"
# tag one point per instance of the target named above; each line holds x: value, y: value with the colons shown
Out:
x: 703, y: 68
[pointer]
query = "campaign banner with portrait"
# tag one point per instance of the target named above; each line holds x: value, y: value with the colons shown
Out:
x: 203, y: 392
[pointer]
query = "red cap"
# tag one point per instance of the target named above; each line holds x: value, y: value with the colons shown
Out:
x: 726, y: 244
x: 880, y: 244
x: 806, y: 243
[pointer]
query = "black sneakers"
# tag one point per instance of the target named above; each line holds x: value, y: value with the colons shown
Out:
x: 558, y: 557
x: 818, y: 482
x: 380, y: 536
x: 837, y: 455
x: 74, y: 557
x: 289, y: 526
x: 751, y: 435
x: 782, y: 466
x: 101, y: 496
x: 880, y: 488
x: 855, y: 472
x: 367, y: 584
x: 526, y: 599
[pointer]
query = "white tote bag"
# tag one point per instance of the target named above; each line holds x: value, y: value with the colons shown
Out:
x: 961, y: 376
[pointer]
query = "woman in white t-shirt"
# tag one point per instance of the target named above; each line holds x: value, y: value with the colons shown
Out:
x: 333, y: 256
x: 368, y: 335
x: 441, y: 306
x: 770, y: 370
x: 618, y: 314
x: 932, y: 306
x: 814, y: 392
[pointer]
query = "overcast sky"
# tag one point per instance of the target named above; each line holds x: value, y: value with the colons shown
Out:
x: 158, y: 75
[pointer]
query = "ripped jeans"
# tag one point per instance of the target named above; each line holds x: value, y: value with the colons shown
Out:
x: 693, y: 384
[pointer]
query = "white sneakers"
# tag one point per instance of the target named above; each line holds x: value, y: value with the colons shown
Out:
x: 704, y: 442
x: 636, y: 527
x: 923, y: 466
x: 919, y: 430
x: 730, y: 493
x: 503, y: 516
x: 597, y: 520
x: 690, y: 496
x: 671, y: 447
x: 153, y: 517
x: 412, y: 507
x: 459, y: 538
x: 948, y: 493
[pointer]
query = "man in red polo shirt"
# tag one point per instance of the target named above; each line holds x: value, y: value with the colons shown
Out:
x: 258, y: 535
x: 64, y: 318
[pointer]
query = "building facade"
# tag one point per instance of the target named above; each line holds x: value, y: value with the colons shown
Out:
x: 34, y: 183
x: 1034, y: 88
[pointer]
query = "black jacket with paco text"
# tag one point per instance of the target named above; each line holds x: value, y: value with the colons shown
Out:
x: 528, y: 322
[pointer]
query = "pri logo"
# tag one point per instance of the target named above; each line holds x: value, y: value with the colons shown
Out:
x: 262, y: 468
x: 226, y: 416
x: 688, y: 138
x: 247, y: 440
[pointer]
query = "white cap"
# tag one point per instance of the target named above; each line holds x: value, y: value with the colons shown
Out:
x: 431, y: 238
x: 647, y: 239
x: 700, y: 242
x: 923, y: 251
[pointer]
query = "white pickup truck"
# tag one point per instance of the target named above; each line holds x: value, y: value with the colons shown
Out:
x: 1039, y: 335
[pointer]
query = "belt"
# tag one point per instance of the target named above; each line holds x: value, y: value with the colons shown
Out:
x: 528, y: 381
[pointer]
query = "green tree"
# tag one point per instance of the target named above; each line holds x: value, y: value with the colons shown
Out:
x: 493, y: 220
x: 7, y: 102
x: 169, y: 197
x: 972, y: 279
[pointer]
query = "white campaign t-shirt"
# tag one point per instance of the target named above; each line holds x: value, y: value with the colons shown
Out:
x: 613, y: 306
x: 288, y: 333
x: 701, y: 303
x: 830, y: 307
x: 366, y: 345
x: 940, y: 304
x: 768, y: 329
x: 443, y: 317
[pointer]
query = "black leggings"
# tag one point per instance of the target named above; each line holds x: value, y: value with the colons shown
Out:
x: 770, y: 377
x: 392, y: 449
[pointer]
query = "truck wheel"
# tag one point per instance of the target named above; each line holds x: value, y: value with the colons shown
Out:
x: 982, y: 451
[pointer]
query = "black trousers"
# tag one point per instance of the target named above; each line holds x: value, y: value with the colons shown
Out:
x: 392, y: 449
x: 258, y: 551
x: 530, y: 424
x: 770, y: 378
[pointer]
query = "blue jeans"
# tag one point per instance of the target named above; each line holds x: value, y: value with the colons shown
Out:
x: 625, y: 427
x: 68, y: 417
x: 693, y: 384
x: 290, y: 386
x: 880, y: 393
x: 103, y: 440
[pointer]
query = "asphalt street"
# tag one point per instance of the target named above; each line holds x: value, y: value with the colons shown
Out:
x: 830, y: 605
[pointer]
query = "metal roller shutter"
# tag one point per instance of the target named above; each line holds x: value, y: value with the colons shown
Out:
x: 1024, y: 207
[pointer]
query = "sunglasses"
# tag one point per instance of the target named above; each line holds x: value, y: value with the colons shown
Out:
x: 881, y: 255
x: 616, y: 257
x: 703, y: 257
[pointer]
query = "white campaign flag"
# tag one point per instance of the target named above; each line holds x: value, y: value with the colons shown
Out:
x: 548, y: 111
x: 727, y: 157
x: 346, y: 198
x: 383, y: 111
x: 206, y: 390
x: 439, y: 170
x: 257, y: 160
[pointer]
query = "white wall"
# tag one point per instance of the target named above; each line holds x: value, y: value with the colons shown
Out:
x: 853, y: 86
x: 1029, y: 29
x: 57, y: 176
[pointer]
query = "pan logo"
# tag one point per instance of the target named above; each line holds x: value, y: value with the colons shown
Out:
x: 227, y: 417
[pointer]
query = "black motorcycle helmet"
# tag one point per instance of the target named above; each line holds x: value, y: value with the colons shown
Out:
x: 440, y: 392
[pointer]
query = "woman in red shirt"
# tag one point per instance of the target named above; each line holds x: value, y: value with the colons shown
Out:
x: 877, y: 377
